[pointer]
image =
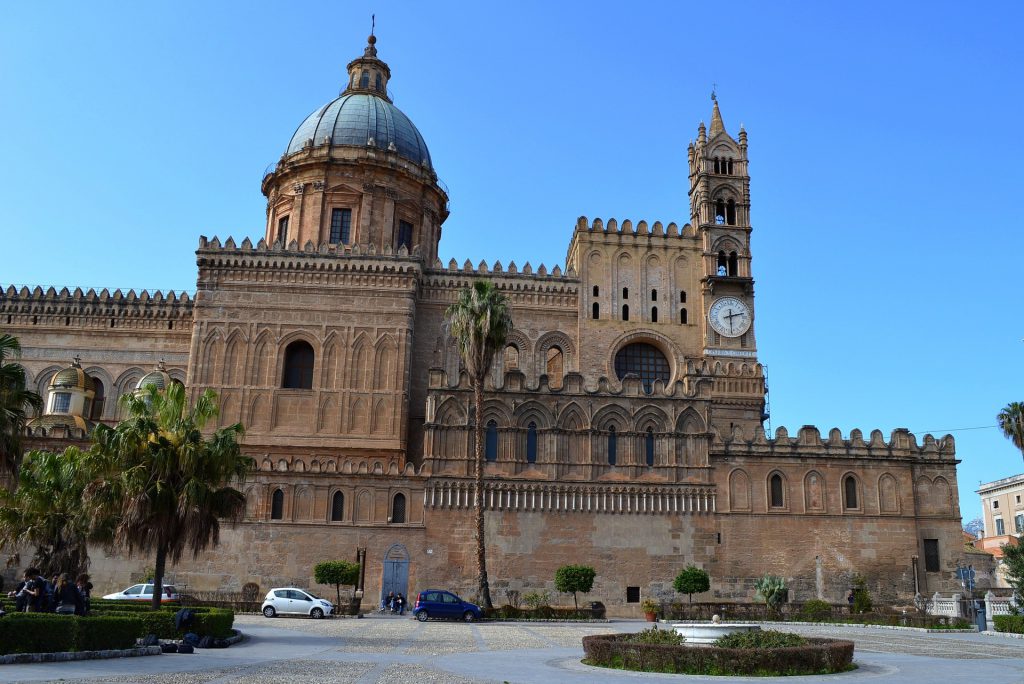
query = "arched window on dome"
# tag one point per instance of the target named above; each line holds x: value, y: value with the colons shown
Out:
x: 404, y: 235
x: 364, y: 79
x: 282, y: 232
x: 337, y: 507
x: 341, y: 226
x: 298, y: 366
x: 377, y: 85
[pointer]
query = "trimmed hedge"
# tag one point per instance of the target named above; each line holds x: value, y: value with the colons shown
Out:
x: 51, y: 633
x: 215, y: 622
x: 819, y: 656
x: 1009, y: 623
x: 542, y: 613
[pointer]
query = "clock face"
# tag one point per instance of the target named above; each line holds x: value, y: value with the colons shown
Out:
x: 729, y: 317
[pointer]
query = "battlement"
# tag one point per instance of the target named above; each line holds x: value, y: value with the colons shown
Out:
x: 807, y: 442
x: 626, y: 228
x: 209, y: 245
x: 64, y: 307
x: 483, y: 269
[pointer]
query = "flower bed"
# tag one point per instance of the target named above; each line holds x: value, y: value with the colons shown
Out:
x: 818, y: 656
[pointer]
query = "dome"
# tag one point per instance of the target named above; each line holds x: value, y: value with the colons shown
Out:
x: 50, y: 421
x: 72, y: 377
x: 159, y: 378
x: 356, y: 119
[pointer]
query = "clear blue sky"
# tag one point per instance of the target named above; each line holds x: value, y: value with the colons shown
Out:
x: 884, y: 144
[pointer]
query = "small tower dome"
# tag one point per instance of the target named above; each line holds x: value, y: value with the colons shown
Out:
x: 69, y: 399
x: 158, y: 378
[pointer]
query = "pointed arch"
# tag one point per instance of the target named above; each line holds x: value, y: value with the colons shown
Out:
x: 572, y: 417
x: 814, y: 491
x: 364, y: 506
x: 941, y: 495
x: 209, y: 357
x: 852, y: 496
x: 385, y: 363
x: 263, y: 359
x: 332, y: 361
x: 533, y: 411
x: 739, y: 490
x: 357, y: 417
x: 327, y: 414
x: 450, y: 412
x: 777, y: 490
x: 234, y: 360
x: 610, y: 416
x: 690, y: 422
x: 258, y: 416
x: 651, y: 417
x: 380, y: 419
x: 302, y: 508
x: 888, y: 494
x: 359, y: 366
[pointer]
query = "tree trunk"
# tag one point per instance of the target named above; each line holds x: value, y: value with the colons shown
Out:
x: 478, y: 500
x: 158, y: 574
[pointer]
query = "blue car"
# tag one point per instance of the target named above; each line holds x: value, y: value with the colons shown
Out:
x: 436, y: 603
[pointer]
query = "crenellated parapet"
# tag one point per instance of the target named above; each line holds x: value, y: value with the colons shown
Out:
x: 524, y: 286
x: 598, y: 227
x: 64, y: 308
x: 902, y: 444
x: 323, y: 264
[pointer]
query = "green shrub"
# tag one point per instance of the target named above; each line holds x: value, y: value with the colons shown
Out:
x: 761, y: 638
x: 208, y: 621
x: 818, y: 656
x: 575, y: 578
x: 37, y: 633
x: 536, y: 599
x: 1009, y: 623
x: 103, y: 633
x: 815, y: 610
x: 692, y: 580
x: 215, y: 622
x: 773, y: 591
x: 861, y: 597
x: 656, y: 636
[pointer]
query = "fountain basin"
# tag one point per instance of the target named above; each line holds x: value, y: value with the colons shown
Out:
x: 709, y: 632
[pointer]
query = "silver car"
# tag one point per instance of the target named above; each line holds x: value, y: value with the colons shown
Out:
x: 144, y: 593
x: 292, y: 601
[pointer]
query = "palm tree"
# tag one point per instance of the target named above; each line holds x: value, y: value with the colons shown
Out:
x: 45, y: 511
x: 167, y: 486
x: 15, y: 402
x: 479, y: 321
x: 1011, y: 422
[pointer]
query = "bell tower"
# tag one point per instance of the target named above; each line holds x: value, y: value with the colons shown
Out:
x: 720, y: 213
x: 720, y: 210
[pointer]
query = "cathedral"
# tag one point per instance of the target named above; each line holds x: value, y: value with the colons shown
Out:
x: 623, y: 420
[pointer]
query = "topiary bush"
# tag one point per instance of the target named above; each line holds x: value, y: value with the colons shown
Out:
x: 106, y: 632
x: 861, y: 598
x: 50, y: 633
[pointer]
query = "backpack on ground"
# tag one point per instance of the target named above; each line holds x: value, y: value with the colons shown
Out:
x: 206, y: 642
x: 169, y: 648
x: 150, y: 640
x: 191, y: 638
x: 220, y: 643
x: 184, y: 648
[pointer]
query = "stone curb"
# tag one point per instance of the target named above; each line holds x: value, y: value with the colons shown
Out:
x: 67, y: 656
x: 1009, y: 635
x: 972, y: 630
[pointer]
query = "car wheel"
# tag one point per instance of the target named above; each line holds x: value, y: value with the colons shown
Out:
x: 316, y: 613
x: 422, y: 616
x: 269, y: 612
x: 469, y: 616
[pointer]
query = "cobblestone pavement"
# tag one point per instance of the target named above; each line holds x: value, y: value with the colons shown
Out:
x: 385, y: 649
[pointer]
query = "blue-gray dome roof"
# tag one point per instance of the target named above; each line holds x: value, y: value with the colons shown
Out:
x: 355, y: 118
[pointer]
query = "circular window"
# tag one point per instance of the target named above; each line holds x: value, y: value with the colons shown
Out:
x: 643, y: 360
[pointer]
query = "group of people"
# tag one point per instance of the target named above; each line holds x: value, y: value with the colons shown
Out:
x: 393, y: 602
x: 36, y: 594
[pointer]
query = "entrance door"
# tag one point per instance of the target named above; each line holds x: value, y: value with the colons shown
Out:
x: 396, y: 572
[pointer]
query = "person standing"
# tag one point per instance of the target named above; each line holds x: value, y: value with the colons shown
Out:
x: 69, y: 599
x: 85, y: 589
x: 400, y: 602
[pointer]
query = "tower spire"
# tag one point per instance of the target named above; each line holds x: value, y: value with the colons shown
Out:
x: 716, y: 117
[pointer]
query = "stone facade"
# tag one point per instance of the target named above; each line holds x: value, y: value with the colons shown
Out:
x: 624, y: 419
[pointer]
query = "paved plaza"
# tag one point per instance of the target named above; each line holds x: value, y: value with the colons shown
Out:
x: 384, y: 649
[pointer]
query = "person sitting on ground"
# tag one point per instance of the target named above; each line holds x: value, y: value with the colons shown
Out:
x: 69, y: 599
x: 389, y: 602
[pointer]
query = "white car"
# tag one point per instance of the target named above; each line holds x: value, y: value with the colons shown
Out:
x: 292, y: 601
x: 144, y: 592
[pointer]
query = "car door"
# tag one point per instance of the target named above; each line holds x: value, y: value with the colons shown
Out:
x: 147, y: 593
x: 281, y: 602
x: 452, y: 605
x: 302, y: 603
x: 133, y: 592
